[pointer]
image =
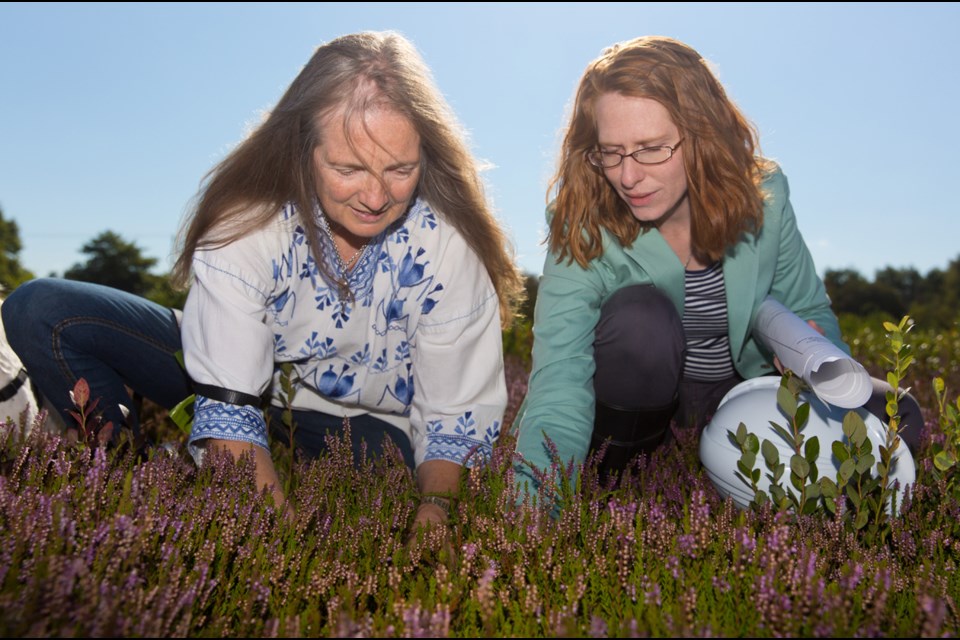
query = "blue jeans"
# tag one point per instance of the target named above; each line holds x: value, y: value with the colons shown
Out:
x: 64, y: 330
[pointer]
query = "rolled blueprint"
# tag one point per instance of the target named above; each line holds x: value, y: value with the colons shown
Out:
x: 834, y: 377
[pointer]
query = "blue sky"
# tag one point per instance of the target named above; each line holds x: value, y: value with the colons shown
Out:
x: 110, y: 114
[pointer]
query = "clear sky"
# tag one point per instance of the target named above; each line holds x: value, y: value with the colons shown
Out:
x: 110, y: 114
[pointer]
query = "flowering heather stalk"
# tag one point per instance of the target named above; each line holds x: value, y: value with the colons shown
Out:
x: 99, y: 543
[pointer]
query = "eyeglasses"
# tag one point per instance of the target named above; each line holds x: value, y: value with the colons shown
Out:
x: 647, y: 155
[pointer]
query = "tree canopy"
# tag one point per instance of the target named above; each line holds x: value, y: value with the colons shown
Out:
x: 12, y: 273
x: 932, y: 301
x: 116, y: 263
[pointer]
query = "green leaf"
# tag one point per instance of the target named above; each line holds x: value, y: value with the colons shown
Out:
x: 796, y: 481
x: 854, y: 428
x: 861, y: 520
x: 840, y: 451
x: 865, y: 464
x: 799, y: 466
x: 811, y: 450
x: 944, y: 461
x: 852, y: 495
x: 892, y: 408
x: 778, y: 472
x: 803, y: 412
x: 770, y: 453
x: 182, y: 414
x: 893, y: 380
x: 786, y: 401
x: 741, y: 433
x: 847, y: 467
x: 783, y: 433
x: 892, y: 328
x: 939, y: 385
x: 779, y: 495
x: 829, y: 488
x: 793, y: 383
x: 745, y: 463
x: 752, y: 443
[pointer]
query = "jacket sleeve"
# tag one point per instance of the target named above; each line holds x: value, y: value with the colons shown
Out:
x: 559, y: 406
x: 795, y: 281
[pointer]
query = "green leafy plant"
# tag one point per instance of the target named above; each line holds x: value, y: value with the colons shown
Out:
x: 861, y: 494
x: 805, y: 491
x: 947, y: 454
x: 287, y: 391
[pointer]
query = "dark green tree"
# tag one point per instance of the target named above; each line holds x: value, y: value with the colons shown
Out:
x: 114, y: 262
x: 163, y: 292
x: 849, y: 291
x: 12, y: 273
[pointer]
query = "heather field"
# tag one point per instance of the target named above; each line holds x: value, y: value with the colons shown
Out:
x: 97, y: 542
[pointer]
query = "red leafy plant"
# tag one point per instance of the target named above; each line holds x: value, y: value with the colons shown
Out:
x: 91, y: 428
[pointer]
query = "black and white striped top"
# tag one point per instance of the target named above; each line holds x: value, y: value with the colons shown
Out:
x: 705, y: 325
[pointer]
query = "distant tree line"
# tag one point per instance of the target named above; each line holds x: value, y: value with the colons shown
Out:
x: 932, y: 300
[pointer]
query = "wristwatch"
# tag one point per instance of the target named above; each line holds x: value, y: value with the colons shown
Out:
x: 443, y: 503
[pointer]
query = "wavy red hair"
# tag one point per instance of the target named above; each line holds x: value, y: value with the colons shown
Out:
x: 720, y: 153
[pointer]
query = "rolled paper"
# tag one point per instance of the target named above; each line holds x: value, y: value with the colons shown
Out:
x: 834, y: 376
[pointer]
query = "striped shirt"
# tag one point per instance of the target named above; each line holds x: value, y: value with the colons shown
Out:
x: 705, y: 325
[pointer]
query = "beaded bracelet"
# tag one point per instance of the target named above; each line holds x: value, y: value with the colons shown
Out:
x: 443, y: 503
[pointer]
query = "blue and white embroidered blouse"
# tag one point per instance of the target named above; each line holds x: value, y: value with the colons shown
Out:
x: 420, y: 347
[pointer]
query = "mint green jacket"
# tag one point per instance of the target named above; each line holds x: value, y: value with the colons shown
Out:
x: 560, y: 398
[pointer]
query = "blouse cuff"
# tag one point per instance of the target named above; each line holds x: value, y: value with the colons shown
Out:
x: 464, y: 445
x: 222, y: 421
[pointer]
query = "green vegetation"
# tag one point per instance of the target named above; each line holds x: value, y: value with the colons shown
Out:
x: 112, y: 542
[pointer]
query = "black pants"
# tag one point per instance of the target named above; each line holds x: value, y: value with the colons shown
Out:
x: 639, y: 351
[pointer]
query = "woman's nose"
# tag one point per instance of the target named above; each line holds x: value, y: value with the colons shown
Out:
x: 374, y: 195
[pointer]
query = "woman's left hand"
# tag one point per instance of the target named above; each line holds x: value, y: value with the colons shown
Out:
x: 430, y: 514
x: 435, y: 478
x: 431, y: 518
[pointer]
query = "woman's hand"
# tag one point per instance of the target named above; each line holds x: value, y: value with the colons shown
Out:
x: 438, y: 482
x: 265, y: 473
x: 432, y: 511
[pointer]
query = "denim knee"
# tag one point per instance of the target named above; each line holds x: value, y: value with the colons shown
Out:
x: 24, y: 313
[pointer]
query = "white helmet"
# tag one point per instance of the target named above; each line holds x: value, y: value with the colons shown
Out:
x: 754, y: 403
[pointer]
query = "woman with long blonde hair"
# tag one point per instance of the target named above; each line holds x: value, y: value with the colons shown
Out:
x: 349, y: 237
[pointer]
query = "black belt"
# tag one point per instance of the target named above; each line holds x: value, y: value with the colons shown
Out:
x: 11, y: 388
x: 228, y: 396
